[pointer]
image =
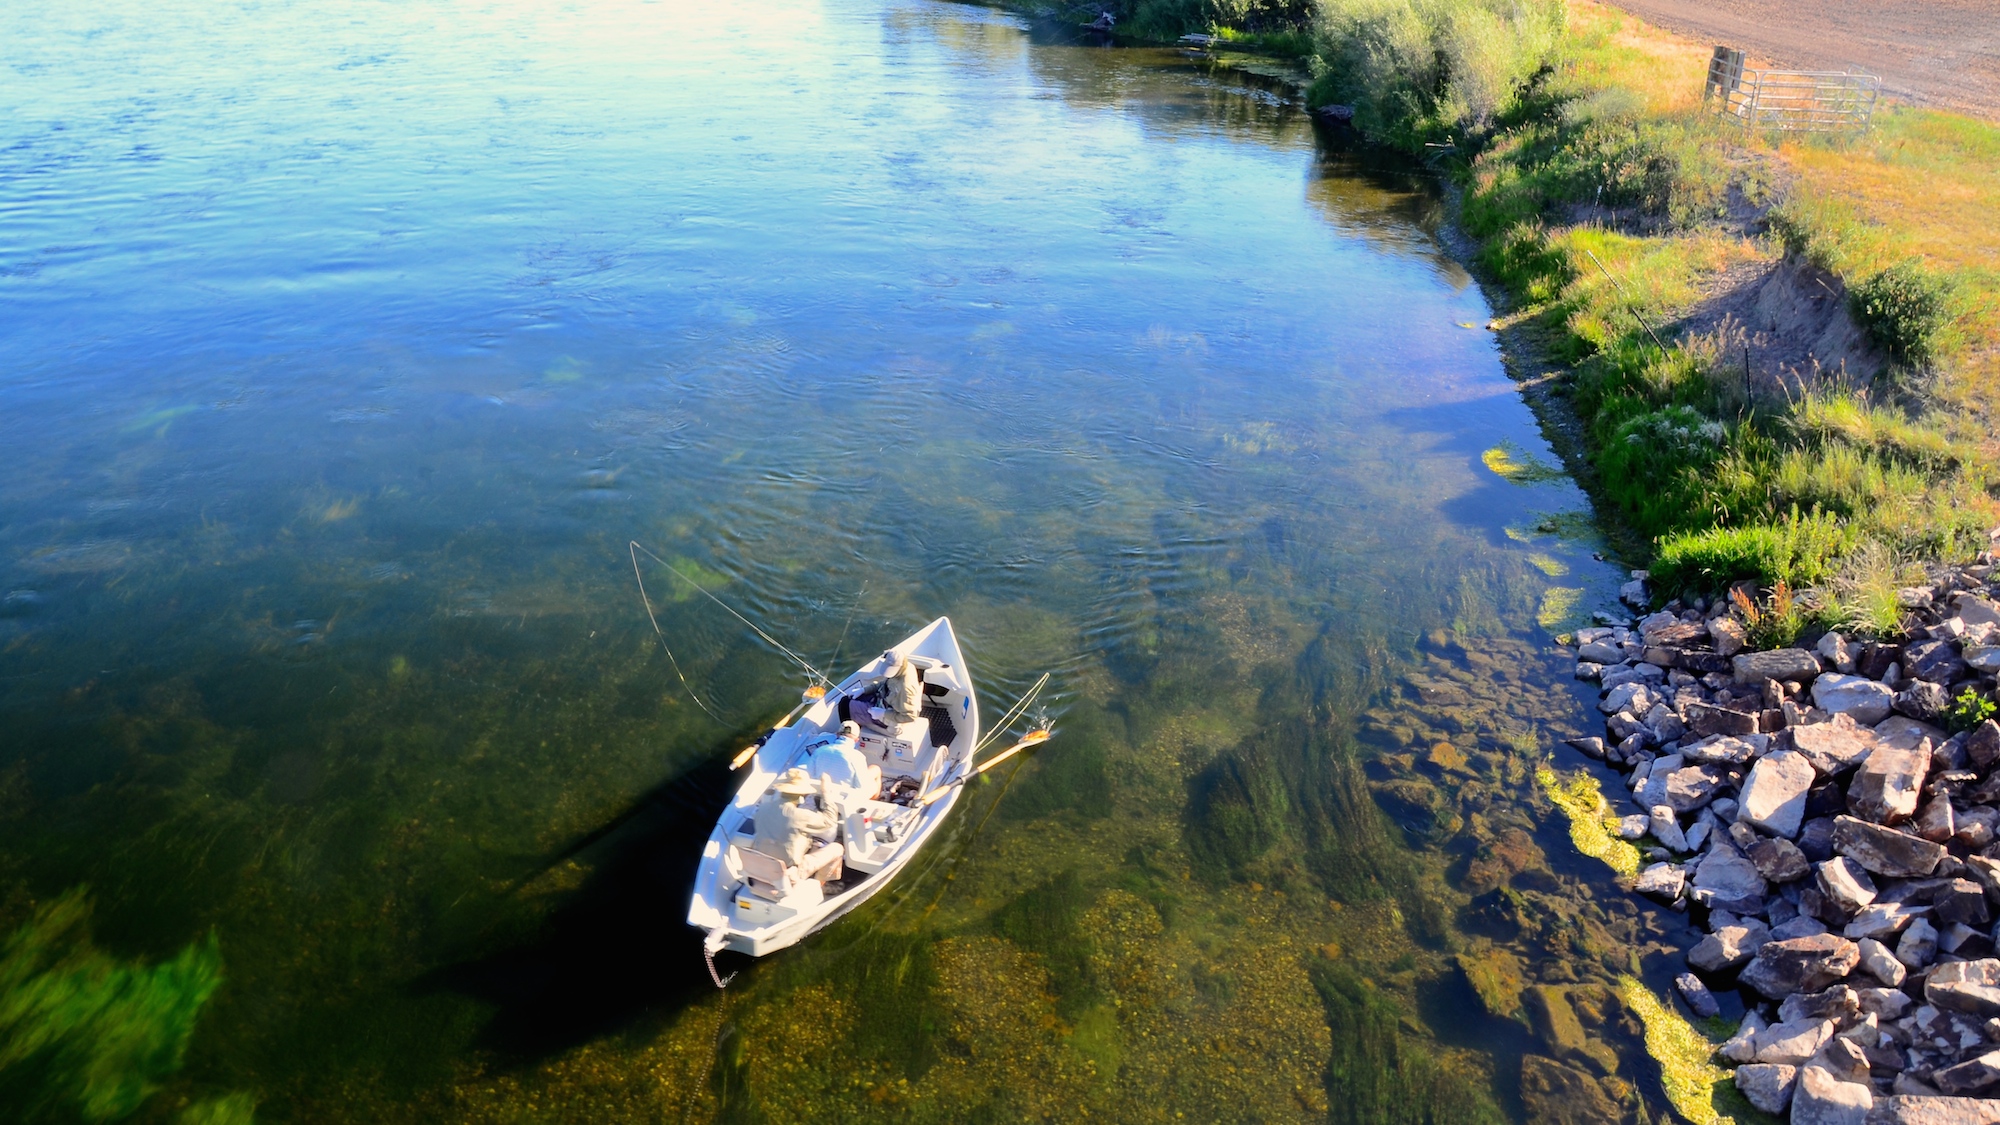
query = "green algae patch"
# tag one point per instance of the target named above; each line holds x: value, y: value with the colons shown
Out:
x: 1699, y: 1090
x: 1558, y: 611
x: 1583, y: 802
x: 1496, y: 977
x: 229, y: 1109
x: 84, y: 1036
x: 1514, y: 465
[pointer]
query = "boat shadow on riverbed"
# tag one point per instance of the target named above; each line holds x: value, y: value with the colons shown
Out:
x: 617, y: 951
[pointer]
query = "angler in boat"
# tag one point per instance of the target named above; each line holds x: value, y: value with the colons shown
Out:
x: 838, y: 801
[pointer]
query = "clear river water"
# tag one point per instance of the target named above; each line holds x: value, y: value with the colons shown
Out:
x: 346, y: 347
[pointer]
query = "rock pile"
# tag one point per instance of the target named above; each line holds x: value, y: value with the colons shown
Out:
x: 1811, y: 808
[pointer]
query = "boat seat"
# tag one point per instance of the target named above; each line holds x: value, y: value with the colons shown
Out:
x: 772, y: 878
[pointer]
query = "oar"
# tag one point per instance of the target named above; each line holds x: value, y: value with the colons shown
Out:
x: 813, y: 695
x: 1032, y: 738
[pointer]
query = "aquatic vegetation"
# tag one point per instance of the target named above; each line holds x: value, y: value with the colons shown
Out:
x: 1046, y: 921
x: 1561, y: 609
x: 1580, y: 799
x: 1376, y: 1074
x: 84, y: 1035
x: 229, y: 1109
x: 1510, y: 463
x: 1699, y: 1090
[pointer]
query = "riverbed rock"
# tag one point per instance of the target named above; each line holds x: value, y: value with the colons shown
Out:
x: 1690, y: 787
x: 1793, y: 1042
x: 1724, y: 750
x: 1935, y: 821
x: 1699, y: 999
x: 1599, y: 652
x: 1662, y: 881
x: 1881, y: 920
x: 1666, y: 828
x: 1823, y: 1098
x: 1887, y: 1005
x: 1862, y: 699
x: 1729, y: 946
x: 1975, y: 827
x: 1634, y: 826
x: 1780, y: 664
x: 1742, y: 1046
x: 1923, y: 701
x: 1905, y: 732
x: 1972, y: 987
x: 1727, y: 635
x: 1631, y: 698
x: 1879, y: 961
x: 1806, y: 964
x: 1973, y: 1076
x: 1935, y: 661
x: 1918, y: 944
x: 1706, y: 719
x: 1985, y: 872
x: 1774, y: 795
x: 1833, y: 746
x: 1834, y: 649
x: 1555, y: 1094
x: 1908, y: 1109
x: 1886, y: 787
x: 1768, y: 1086
x: 1982, y: 745
x: 1845, y: 883
x: 1961, y: 901
x: 1884, y: 851
x: 1723, y: 878
x: 1777, y: 860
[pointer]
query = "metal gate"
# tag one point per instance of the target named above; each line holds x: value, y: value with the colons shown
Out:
x: 1810, y: 100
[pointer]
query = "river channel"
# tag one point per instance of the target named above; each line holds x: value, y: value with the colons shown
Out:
x: 347, y: 346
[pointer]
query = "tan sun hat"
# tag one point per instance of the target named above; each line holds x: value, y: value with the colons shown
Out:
x: 795, y: 783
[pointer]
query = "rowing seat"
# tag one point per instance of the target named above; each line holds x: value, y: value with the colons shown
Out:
x: 769, y: 877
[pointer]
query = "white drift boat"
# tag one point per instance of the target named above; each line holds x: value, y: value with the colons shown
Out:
x: 756, y: 902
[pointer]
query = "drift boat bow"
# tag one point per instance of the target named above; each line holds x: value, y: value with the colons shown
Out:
x: 757, y: 903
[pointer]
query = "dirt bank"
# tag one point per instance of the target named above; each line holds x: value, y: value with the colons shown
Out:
x: 1944, y: 53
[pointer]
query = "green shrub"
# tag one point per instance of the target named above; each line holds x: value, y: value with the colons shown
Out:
x: 1904, y: 309
x: 1426, y: 69
x: 1968, y: 710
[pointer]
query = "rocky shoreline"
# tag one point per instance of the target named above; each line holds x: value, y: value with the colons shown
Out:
x: 1827, y: 812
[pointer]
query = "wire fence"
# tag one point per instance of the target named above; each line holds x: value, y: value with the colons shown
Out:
x: 1816, y: 101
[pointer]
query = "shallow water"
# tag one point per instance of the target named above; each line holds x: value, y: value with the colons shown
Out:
x: 349, y: 345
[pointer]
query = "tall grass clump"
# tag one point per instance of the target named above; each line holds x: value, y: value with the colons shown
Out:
x: 1799, y: 550
x: 86, y: 1037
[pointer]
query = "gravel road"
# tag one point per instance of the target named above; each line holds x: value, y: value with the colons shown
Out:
x: 1944, y: 53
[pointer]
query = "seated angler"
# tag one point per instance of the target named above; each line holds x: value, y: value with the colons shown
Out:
x: 788, y: 830
x: 839, y: 764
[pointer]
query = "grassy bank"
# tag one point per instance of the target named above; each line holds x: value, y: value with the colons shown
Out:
x: 1780, y: 352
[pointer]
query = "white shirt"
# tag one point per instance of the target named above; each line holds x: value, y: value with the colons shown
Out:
x: 839, y: 760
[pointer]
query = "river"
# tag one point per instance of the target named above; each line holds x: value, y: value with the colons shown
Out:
x: 347, y: 347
